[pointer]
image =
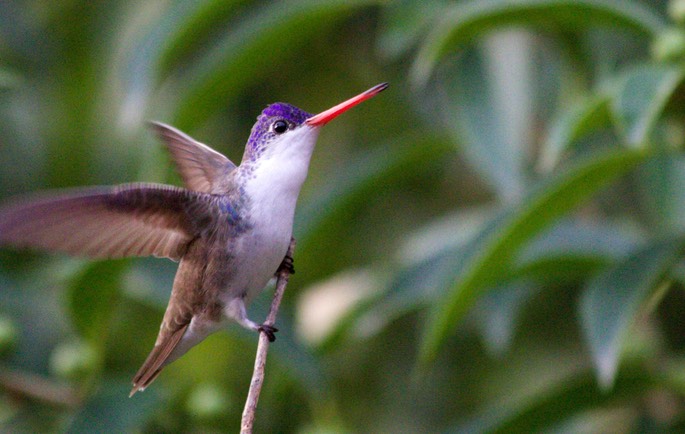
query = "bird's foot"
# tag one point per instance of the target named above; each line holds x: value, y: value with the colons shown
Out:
x: 268, y: 331
x: 287, y: 265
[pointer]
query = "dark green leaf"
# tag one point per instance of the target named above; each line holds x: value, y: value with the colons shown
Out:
x: 191, y: 26
x: 417, y: 285
x: 175, y: 30
x: 579, y: 237
x: 489, y: 136
x: 573, y: 250
x: 640, y: 97
x: 497, y: 312
x: 568, y: 252
x: 532, y: 215
x: 662, y: 190
x: 579, y: 121
x: 613, y: 298
x: 463, y: 22
x: 555, y: 404
x: 420, y: 284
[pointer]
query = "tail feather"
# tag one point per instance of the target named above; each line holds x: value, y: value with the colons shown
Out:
x: 156, y: 360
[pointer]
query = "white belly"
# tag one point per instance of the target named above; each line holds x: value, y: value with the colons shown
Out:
x: 262, y: 253
x: 264, y: 245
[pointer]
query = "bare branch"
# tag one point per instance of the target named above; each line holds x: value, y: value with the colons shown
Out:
x: 263, y: 346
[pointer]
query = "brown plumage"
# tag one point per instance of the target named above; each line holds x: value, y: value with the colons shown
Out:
x: 188, y: 302
x: 106, y: 222
x: 156, y: 360
x: 143, y: 220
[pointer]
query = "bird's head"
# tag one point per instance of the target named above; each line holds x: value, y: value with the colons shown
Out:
x: 282, y: 129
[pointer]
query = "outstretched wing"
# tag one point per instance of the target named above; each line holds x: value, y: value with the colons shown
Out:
x: 200, y: 166
x: 107, y: 222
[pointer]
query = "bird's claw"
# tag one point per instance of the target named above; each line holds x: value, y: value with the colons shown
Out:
x: 268, y: 331
x: 287, y: 264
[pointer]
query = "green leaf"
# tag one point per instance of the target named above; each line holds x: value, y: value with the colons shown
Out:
x: 473, y: 115
x: 578, y: 237
x: 497, y: 312
x: 420, y: 284
x: 403, y: 23
x: 662, y: 192
x: 146, y: 62
x: 572, y: 125
x: 569, y: 252
x: 92, y: 296
x: 412, y: 289
x: 171, y: 36
x: 248, y: 51
x: 361, y: 177
x: 572, y: 250
x: 493, y: 257
x: 640, y: 98
x: 613, y: 298
x: 463, y: 22
x: 192, y: 25
x: 559, y: 270
x: 415, y: 286
x: 555, y: 404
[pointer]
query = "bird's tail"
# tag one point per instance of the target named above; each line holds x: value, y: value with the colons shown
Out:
x: 158, y: 358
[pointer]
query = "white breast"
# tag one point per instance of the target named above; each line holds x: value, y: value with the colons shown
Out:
x: 272, y: 189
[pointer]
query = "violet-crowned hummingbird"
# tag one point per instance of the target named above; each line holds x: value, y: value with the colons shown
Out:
x: 230, y: 226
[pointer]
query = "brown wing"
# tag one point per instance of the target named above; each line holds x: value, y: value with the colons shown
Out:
x: 200, y: 166
x: 186, y: 306
x: 107, y: 222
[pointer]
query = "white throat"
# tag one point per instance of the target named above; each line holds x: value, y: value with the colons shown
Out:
x: 277, y: 177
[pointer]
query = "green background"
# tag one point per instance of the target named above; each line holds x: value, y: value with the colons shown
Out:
x: 493, y: 244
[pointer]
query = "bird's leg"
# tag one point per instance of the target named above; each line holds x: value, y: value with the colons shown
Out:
x: 268, y: 331
x: 236, y: 311
x: 287, y: 265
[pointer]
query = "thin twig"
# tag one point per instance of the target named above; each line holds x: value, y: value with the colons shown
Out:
x: 262, y: 348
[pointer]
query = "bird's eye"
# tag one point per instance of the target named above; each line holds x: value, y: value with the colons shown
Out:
x: 280, y: 127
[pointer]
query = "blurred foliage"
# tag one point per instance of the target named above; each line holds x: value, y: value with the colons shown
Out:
x: 496, y: 241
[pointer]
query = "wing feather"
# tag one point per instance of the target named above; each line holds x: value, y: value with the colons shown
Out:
x: 108, y: 222
x: 201, y: 167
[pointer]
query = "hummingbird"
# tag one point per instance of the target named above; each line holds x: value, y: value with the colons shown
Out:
x: 229, y: 227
